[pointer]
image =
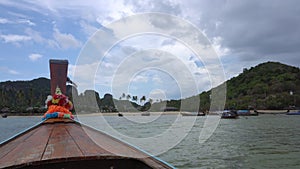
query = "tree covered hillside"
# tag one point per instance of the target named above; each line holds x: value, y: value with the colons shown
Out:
x: 270, y: 85
x: 20, y: 95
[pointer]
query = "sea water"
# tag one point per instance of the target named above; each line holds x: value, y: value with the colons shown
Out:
x: 264, y: 141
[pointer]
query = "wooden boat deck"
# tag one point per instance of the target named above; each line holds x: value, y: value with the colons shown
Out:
x: 67, y: 144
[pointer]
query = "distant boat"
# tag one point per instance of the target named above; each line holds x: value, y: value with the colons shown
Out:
x: 272, y: 111
x: 229, y: 114
x: 170, y: 109
x: 145, y: 113
x: 192, y: 114
x: 4, y: 115
x: 294, y: 112
x: 247, y: 113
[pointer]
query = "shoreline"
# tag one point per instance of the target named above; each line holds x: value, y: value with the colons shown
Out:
x: 99, y: 114
x: 138, y: 113
x: 129, y: 113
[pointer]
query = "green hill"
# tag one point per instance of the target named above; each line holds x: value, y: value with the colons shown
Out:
x: 270, y: 85
x: 21, y: 95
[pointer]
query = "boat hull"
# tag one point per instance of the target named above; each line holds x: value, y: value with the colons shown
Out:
x: 4, y: 115
x: 66, y: 143
x: 229, y: 114
x: 247, y: 113
x: 87, y: 163
x: 192, y: 114
x: 229, y: 117
x: 293, y: 113
x: 145, y: 113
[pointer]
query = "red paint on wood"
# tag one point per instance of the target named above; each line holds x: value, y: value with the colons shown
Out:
x: 58, y: 75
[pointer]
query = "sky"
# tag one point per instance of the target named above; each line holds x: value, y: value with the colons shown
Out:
x: 146, y: 48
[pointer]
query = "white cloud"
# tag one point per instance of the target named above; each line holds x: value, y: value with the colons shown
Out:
x: 5, y: 70
x: 39, y: 39
x: 35, y: 35
x: 26, y: 21
x: 19, y: 21
x: 164, y: 65
x: 157, y: 79
x: 12, y: 38
x: 93, y: 11
x: 66, y: 41
x: 123, y: 67
x: 13, y: 72
x: 84, y: 75
x: 191, y: 75
x: 31, y: 35
x: 216, y: 43
x: 157, y: 95
x: 22, y: 5
x: 4, y: 21
x: 140, y: 78
x: 118, y: 10
x: 88, y: 29
x: 61, y: 40
x: 35, y: 56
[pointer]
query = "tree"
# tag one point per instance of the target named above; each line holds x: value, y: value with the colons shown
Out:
x: 128, y: 97
x: 20, y: 97
x: 142, y: 99
x: 30, y: 101
x: 134, y: 98
x: 123, y: 95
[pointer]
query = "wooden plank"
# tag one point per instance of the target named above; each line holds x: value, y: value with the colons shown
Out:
x: 61, y: 144
x: 86, y: 145
x: 14, y: 141
x: 120, y: 148
x: 6, y: 148
x: 29, y: 149
x: 112, y: 145
x: 154, y: 163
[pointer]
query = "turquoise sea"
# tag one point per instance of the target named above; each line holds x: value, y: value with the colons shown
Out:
x: 264, y: 141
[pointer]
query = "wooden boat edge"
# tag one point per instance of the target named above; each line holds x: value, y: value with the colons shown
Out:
x: 127, y: 143
x: 21, y: 133
x: 86, y: 159
x: 144, y: 160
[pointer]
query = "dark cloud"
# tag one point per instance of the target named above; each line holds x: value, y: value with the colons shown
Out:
x: 252, y: 30
x: 255, y: 28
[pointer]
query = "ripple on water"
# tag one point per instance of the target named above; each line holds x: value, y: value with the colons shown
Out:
x: 265, y: 141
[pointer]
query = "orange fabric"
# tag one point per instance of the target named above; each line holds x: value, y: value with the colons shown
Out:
x: 55, y: 108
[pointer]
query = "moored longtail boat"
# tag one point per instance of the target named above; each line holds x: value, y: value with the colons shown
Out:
x: 229, y: 114
x: 293, y: 112
x: 62, y: 142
